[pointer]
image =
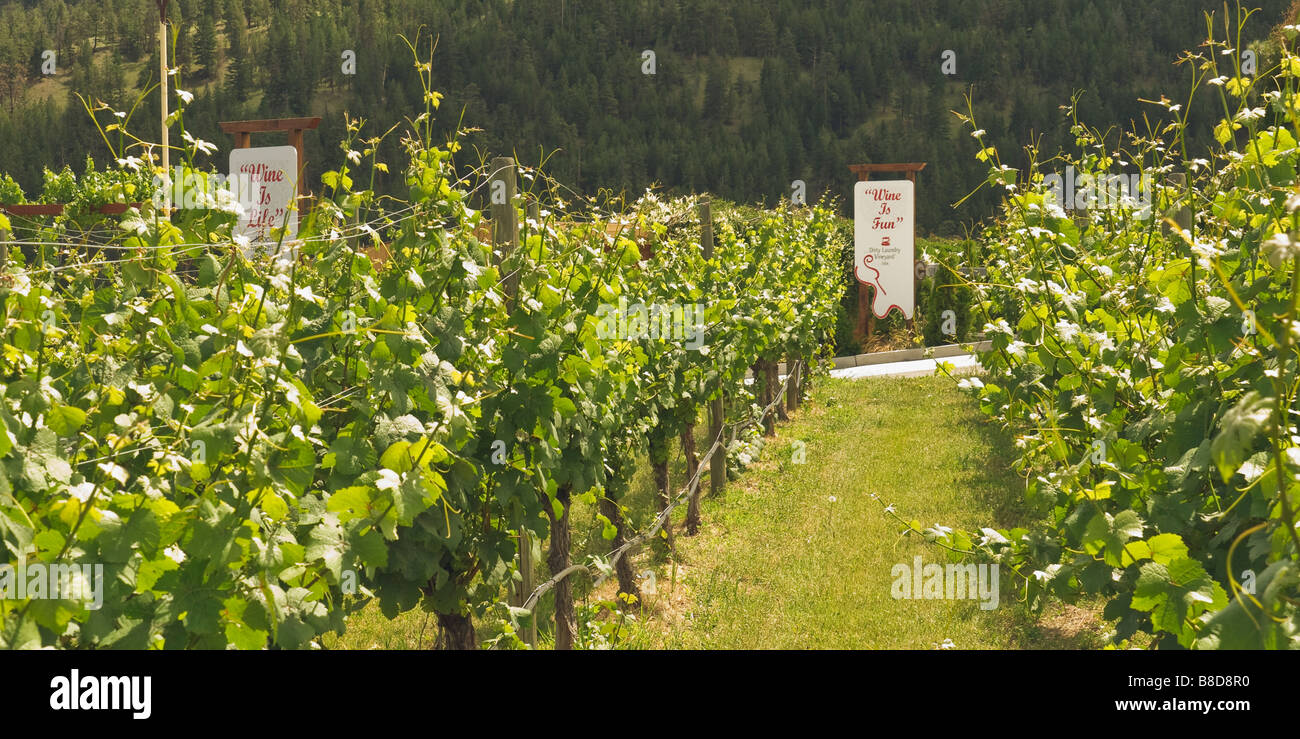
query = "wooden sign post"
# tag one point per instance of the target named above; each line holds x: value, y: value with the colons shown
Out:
x: 243, y: 131
x: 884, y: 242
x: 268, y: 173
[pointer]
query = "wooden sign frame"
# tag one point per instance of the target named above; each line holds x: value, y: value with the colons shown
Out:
x: 244, y: 130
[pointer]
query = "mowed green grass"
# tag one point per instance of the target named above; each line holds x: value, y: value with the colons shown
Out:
x: 781, y: 565
x: 777, y: 564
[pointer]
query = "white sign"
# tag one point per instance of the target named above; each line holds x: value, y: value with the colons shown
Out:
x: 884, y: 243
x: 268, y: 180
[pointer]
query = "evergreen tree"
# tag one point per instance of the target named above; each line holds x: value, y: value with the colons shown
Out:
x: 715, y: 86
x: 831, y: 84
x: 239, y: 72
x: 205, y: 44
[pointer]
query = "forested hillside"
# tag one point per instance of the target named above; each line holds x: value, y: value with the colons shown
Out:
x: 745, y: 97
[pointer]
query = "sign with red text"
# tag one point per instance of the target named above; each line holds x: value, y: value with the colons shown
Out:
x: 884, y: 243
x: 268, y: 187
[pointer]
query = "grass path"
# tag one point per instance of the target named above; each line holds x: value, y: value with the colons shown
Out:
x: 779, y: 564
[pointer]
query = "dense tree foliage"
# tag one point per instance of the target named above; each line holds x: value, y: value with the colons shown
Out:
x: 746, y: 97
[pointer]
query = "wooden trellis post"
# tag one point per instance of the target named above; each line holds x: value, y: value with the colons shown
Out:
x: 717, y: 411
x: 792, y: 370
x: 162, y: 92
x: 502, y: 187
